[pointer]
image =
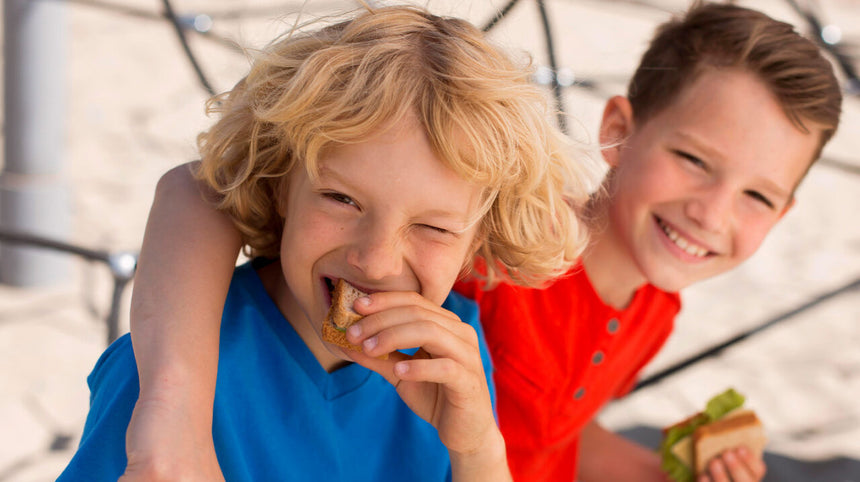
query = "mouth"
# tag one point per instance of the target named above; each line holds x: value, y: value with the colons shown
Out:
x: 329, y: 284
x: 341, y: 314
x: 684, y: 244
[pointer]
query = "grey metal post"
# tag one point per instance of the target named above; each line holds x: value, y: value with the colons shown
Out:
x: 34, y: 194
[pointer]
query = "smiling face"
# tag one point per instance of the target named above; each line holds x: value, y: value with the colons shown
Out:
x: 696, y: 188
x: 385, y: 215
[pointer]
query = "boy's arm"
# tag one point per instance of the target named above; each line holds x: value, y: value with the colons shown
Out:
x: 489, y: 465
x: 605, y: 456
x: 185, y: 266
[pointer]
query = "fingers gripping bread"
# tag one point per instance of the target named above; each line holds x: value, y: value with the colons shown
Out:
x: 341, y: 315
x: 741, y: 429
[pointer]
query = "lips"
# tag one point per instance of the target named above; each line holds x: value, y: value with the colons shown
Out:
x: 685, y: 244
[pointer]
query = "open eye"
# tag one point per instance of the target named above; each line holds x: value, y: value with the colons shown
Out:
x: 760, y: 198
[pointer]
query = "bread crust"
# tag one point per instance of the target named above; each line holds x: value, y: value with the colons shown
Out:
x: 738, y: 429
x: 336, y: 337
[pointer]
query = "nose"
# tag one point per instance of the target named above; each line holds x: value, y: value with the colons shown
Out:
x: 377, y: 251
x: 711, y: 208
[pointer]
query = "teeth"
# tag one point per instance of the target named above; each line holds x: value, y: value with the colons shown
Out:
x: 683, y: 243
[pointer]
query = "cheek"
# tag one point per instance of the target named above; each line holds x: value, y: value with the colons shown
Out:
x: 437, y: 268
x: 750, y: 237
x: 295, y: 229
x: 307, y: 234
x: 635, y: 187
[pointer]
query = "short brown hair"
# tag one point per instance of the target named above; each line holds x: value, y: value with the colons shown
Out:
x: 309, y: 92
x: 713, y: 35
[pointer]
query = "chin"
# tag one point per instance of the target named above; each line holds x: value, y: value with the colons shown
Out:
x: 670, y: 287
x: 671, y: 282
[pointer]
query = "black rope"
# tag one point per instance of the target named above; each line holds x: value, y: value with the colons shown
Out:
x: 122, y: 267
x: 553, y: 65
x: 716, y: 350
x: 15, y: 237
x: 844, y: 166
x: 842, y: 60
x: 180, y: 32
x: 500, y: 14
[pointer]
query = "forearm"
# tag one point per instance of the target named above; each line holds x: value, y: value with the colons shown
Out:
x: 601, y: 451
x: 185, y: 266
x: 490, y: 464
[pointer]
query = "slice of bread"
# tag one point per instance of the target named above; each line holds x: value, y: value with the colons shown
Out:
x: 740, y: 428
x: 341, y: 316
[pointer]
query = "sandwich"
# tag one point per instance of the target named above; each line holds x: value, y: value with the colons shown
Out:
x: 341, y: 315
x: 689, y: 445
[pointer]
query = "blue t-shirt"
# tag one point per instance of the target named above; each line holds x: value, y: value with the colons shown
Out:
x: 278, y: 414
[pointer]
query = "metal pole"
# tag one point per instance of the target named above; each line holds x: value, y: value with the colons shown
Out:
x: 34, y: 195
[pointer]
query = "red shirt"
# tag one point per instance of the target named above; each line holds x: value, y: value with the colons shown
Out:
x: 560, y: 354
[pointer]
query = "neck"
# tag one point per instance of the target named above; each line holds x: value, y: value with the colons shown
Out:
x: 611, y: 270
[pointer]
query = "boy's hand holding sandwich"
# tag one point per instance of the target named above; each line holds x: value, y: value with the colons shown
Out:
x: 724, y: 433
x: 442, y: 381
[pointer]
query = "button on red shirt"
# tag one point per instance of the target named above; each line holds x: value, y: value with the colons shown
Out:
x: 560, y: 354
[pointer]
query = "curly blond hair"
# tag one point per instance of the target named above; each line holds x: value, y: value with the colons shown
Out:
x: 309, y: 92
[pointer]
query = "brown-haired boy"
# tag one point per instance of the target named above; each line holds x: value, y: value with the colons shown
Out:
x: 725, y: 114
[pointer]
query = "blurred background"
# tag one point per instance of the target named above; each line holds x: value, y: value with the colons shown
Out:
x: 103, y: 96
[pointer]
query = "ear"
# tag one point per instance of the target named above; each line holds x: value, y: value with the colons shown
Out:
x: 616, y: 126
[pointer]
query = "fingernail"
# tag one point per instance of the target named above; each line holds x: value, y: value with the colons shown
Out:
x: 364, y: 301
x: 401, y: 368
x: 354, y: 330
x: 370, y: 343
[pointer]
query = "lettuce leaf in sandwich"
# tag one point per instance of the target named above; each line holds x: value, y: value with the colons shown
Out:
x: 716, y: 408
